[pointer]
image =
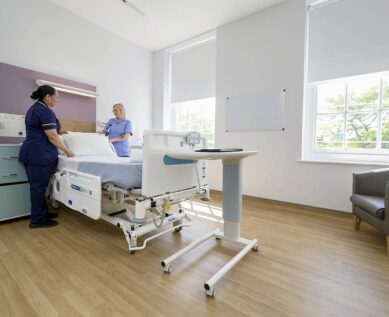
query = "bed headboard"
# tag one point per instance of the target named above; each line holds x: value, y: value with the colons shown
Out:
x: 77, y: 126
x: 159, y: 176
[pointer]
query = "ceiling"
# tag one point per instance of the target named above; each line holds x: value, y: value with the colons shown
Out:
x: 166, y: 22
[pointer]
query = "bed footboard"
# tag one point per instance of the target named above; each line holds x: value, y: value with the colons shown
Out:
x: 162, y: 174
x: 78, y: 191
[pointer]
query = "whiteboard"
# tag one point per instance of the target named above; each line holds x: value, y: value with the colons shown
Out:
x: 263, y: 111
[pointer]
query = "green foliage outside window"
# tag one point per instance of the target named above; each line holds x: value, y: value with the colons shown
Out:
x: 361, y: 119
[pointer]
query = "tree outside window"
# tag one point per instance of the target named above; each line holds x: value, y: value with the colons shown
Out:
x: 353, y: 114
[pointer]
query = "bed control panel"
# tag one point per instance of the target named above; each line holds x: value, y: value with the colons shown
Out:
x: 193, y: 138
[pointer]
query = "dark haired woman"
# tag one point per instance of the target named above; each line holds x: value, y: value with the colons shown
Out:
x: 39, y: 152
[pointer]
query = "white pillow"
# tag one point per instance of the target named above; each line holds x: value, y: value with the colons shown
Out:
x: 136, y: 155
x: 86, y: 144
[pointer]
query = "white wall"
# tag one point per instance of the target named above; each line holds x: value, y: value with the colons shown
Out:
x: 265, y: 51
x: 42, y: 36
x: 158, y: 89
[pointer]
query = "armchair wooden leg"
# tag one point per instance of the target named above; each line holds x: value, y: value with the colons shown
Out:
x: 357, y: 222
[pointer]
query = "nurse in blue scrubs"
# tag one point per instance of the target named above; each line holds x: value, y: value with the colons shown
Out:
x: 39, y: 152
x: 119, y: 131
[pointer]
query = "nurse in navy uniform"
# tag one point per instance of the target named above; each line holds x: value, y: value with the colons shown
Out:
x: 39, y: 152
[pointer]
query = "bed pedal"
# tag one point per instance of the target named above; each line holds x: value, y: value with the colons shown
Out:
x: 113, y: 214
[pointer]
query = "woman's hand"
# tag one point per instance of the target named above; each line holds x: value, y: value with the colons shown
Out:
x: 69, y: 153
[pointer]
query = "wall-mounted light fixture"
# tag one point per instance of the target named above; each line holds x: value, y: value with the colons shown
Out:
x: 68, y: 89
x: 312, y: 4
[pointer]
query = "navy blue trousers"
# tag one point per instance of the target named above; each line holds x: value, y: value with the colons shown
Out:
x: 39, y: 177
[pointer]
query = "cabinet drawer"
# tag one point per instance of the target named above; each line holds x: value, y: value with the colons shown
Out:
x: 9, y: 158
x: 4, y: 205
x: 19, y: 200
x: 10, y: 163
x: 9, y: 150
x: 13, y: 176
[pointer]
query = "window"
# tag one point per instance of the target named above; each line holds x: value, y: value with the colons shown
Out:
x: 346, y: 107
x: 190, y: 83
x: 352, y: 115
x: 196, y: 115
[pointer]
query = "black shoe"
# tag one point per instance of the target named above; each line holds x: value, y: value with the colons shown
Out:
x: 45, y: 224
x: 52, y: 215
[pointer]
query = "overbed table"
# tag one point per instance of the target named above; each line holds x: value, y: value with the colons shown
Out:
x: 232, y: 211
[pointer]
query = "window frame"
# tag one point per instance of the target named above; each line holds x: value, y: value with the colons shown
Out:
x: 311, y: 153
x: 308, y: 131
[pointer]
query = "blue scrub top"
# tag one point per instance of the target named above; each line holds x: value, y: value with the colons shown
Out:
x: 115, y: 128
x: 36, y: 148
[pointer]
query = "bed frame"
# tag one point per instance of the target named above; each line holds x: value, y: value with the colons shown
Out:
x: 165, y: 182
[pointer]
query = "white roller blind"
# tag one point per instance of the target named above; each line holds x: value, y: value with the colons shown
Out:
x: 348, y: 37
x: 193, y: 73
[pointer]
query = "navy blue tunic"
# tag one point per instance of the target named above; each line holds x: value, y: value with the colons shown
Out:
x: 36, y: 148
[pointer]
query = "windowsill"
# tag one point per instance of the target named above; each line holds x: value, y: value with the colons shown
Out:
x: 344, y: 162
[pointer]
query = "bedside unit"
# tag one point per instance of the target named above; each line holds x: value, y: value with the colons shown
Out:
x: 14, y: 186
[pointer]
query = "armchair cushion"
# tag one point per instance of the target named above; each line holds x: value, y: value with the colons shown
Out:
x: 374, y: 205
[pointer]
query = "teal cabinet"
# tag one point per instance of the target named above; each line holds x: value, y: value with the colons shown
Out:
x: 14, y: 186
x: 4, y: 202
x: 19, y: 200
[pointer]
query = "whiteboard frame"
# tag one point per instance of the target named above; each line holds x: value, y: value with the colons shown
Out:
x: 283, y: 92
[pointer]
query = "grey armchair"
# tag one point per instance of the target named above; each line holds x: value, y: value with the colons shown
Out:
x: 370, y: 200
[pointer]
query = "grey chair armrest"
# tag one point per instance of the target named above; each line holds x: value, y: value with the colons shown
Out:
x: 371, y: 183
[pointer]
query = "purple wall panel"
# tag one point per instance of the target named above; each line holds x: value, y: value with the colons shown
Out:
x: 17, y: 84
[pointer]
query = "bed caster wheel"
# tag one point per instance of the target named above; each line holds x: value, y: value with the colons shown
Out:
x: 168, y: 269
x: 211, y: 292
x: 255, y: 248
x: 177, y: 223
x: 133, y: 244
x: 218, y: 238
x: 54, y: 204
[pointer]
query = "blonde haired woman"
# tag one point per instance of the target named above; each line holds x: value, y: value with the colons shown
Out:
x: 119, y: 130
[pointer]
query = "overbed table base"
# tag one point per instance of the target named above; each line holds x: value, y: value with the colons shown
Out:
x: 218, y: 234
x: 232, y: 212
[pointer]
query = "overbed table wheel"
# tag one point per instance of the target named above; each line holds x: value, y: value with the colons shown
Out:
x: 211, y: 292
x: 168, y: 269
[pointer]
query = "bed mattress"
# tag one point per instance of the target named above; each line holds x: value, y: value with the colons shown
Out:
x: 117, y: 170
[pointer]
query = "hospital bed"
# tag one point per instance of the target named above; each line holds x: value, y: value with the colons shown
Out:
x: 137, y: 197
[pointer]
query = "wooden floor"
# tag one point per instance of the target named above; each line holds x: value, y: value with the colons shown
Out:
x: 310, y: 263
